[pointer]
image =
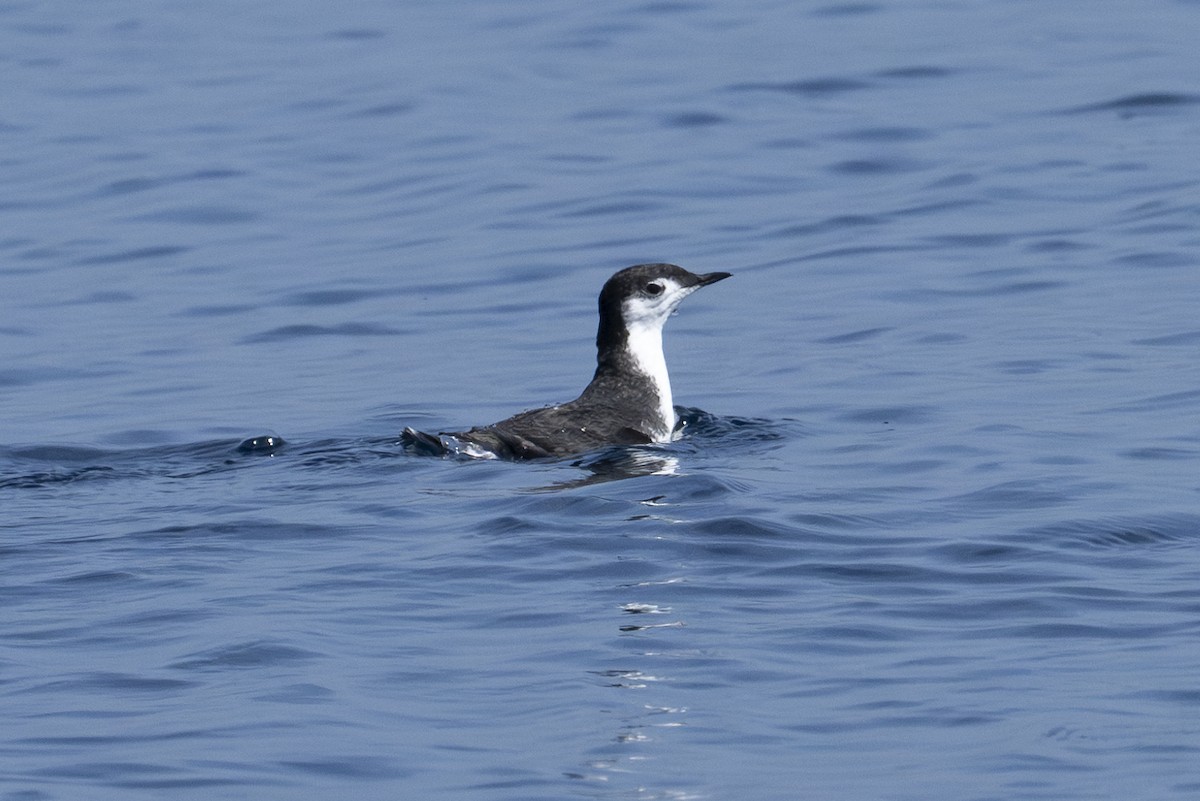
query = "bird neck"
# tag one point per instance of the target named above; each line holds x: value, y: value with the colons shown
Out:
x: 631, y: 357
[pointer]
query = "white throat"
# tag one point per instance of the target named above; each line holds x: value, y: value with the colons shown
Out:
x: 645, y: 347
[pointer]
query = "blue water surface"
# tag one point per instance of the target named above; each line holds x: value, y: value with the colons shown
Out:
x: 932, y: 530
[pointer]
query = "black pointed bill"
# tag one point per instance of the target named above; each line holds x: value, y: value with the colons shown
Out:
x: 712, y: 278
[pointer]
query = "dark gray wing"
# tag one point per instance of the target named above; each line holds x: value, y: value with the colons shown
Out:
x: 566, y: 430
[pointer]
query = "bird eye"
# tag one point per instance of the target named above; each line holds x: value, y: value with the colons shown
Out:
x: 654, y: 289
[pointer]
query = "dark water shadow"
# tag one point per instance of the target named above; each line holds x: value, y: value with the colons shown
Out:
x: 698, y: 431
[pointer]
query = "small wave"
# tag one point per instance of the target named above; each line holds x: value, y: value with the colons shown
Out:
x: 138, y: 254
x: 42, y: 466
x: 1119, y: 532
x: 702, y: 427
x: 292, y: 332
x: 1130, y: 105
x: 816, y: 87
x: 694, y: 119
x: 254, y: 654
x: 46, y: 478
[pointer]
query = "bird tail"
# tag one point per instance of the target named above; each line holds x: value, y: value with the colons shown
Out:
x: 421, y: 443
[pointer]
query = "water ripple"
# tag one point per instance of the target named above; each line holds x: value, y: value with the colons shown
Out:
x: 1119, y: 532
x: 246, y: 655
x: 1130, y: 105
x: 809, y: 87
x: 288, y: 333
